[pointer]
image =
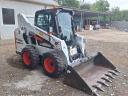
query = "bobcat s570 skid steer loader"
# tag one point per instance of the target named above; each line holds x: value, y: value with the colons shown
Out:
x: 53, y: 43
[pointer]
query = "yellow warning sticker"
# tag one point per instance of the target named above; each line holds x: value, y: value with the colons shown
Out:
x: 41, y: 34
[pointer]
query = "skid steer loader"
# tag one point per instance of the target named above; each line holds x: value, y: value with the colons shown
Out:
x: 52, y: 42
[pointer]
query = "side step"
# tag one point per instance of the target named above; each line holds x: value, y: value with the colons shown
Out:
x: 92, y: 75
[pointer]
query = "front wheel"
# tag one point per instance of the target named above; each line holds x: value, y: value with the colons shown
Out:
x: 54, y: 63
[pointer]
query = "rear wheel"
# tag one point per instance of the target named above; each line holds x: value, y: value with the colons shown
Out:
x: 54, y: 63
x: 30, y: 57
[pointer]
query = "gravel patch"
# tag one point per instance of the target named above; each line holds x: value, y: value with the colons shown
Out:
x: 17, y: 80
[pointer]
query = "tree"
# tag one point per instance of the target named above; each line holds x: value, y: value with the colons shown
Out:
x: 69, y: 3
x: 86, y: 6
x: 118, y: 15
x: 125, y: 15
x: 100, y: 5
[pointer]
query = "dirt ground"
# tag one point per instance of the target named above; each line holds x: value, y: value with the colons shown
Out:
x: 17, y: 80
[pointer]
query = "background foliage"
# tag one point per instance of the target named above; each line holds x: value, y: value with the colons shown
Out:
x: 99, y: 5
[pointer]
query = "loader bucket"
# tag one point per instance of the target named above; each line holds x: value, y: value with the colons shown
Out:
x: 91, y: 75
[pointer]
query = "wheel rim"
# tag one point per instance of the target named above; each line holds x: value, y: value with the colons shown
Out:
x: 49, y: 65
x: 26, y: 58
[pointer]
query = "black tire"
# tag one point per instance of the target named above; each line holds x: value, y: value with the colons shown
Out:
x: 33, y: 57
x: 85, y: 52
x: 59, y: 62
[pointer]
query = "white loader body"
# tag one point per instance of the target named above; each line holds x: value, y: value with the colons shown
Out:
x: 25, y: 27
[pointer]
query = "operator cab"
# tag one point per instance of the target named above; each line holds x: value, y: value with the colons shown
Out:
x: 57, y: 21
x: 45, y: 19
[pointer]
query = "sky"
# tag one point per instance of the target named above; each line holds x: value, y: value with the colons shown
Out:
x: 122, y: 4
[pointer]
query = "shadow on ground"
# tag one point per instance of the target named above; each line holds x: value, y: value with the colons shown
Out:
x: 16, y: 61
